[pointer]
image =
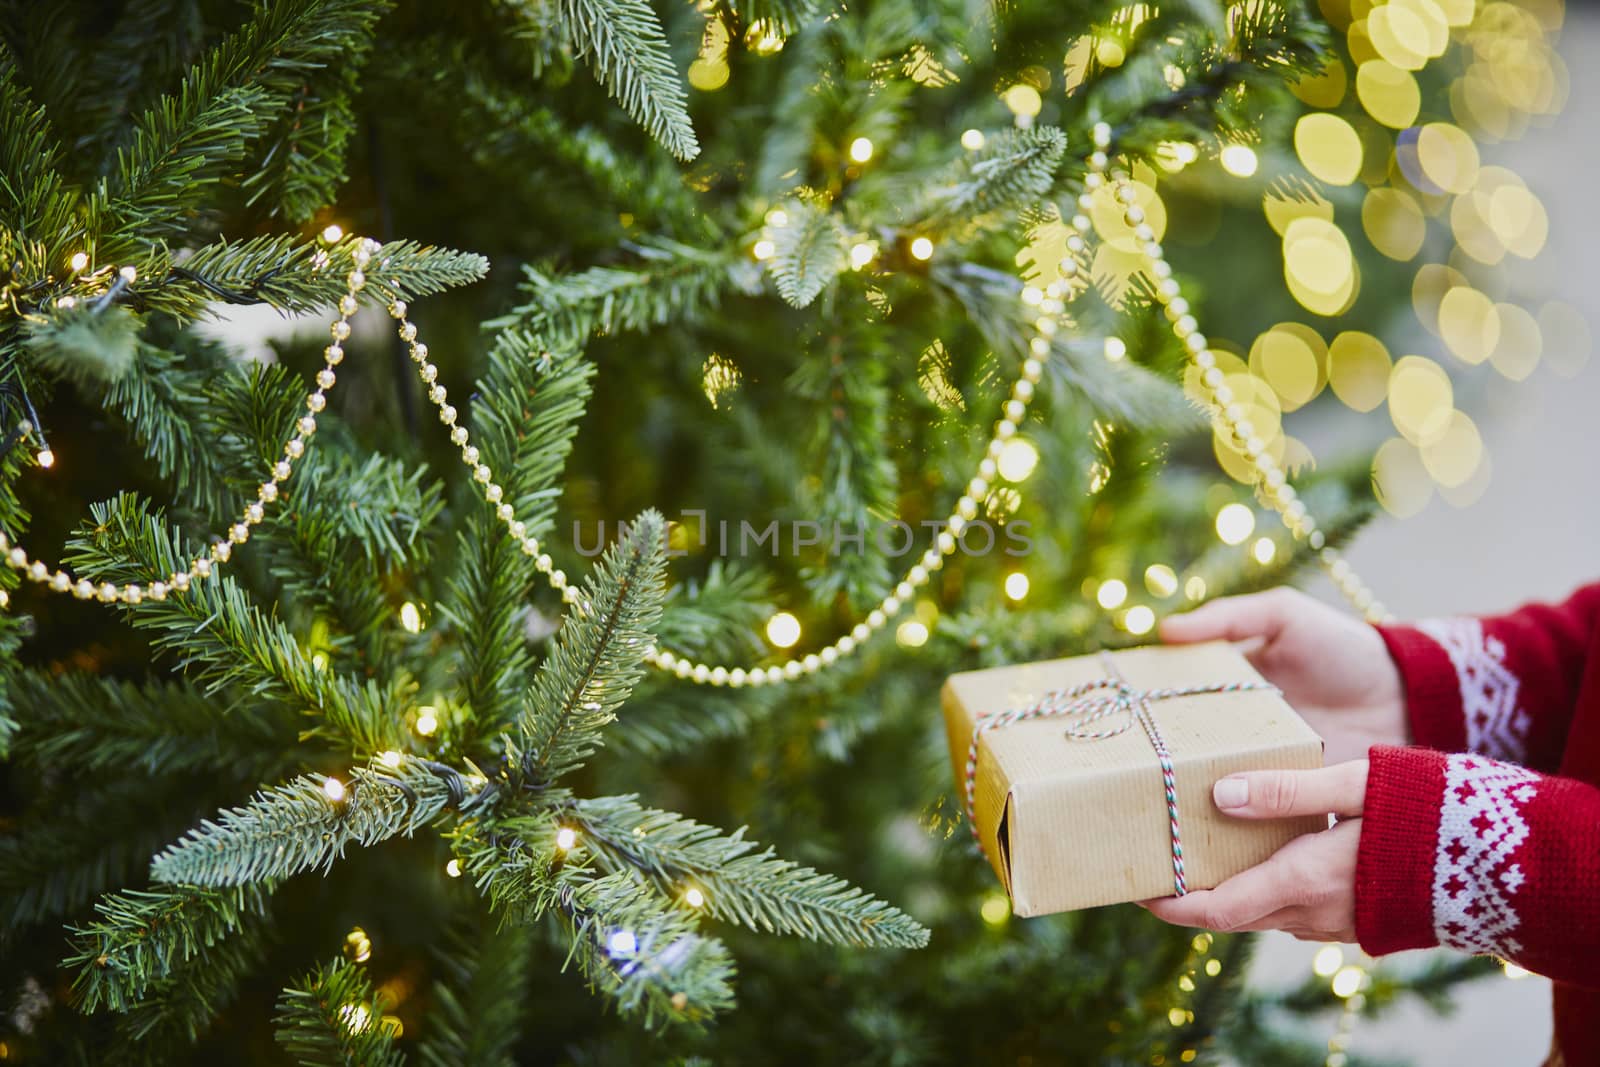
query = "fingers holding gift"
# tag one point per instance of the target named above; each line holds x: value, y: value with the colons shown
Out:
x: 1234, y: 618
x: 1307, y: 888
x: 1337, y: 790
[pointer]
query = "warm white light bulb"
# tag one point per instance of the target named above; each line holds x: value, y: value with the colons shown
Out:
x: 333, y: 789
x: 622, y: 943
x: 922, y: 249
x: 566, y: 837
x: 972, y: 140
x: 427, y: 721
x: 411, y: 617
x: 1112, y: 592
x: 1017, y: 460
x: 46, y: 458
x: 79, y: 261
x: 694, y: 897
x: 1235, y: 523
x: 1238, y: 160
x: 783, y: 630
x: 861, y: 150
x: 763, y: 249
x: 390, y: 759
x: 332, y: 232
x: 1016, y: 585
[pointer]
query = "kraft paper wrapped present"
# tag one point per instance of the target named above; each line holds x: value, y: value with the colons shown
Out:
x: 1069, y: 791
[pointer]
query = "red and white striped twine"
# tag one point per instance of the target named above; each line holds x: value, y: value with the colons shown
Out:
x: 1087, y: 703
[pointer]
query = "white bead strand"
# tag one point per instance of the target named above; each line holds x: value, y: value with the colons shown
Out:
x: 1270, y: 480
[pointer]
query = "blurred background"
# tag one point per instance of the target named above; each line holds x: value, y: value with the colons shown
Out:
x: 1530, y: 534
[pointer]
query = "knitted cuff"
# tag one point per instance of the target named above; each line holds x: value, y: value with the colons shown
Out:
x: 1399, y: 837
x: 1433, y: 688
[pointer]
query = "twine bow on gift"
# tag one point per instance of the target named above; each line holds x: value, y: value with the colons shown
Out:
x: 1109, y: 698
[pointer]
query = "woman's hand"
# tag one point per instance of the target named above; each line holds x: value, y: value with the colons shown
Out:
x: 1308, y: 887
x: 1333, y: 669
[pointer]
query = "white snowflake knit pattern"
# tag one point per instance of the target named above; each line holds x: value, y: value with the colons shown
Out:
x: 1496, y: 725
x: 1475, y: 872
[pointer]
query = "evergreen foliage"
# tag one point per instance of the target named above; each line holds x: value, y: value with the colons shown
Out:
x: 376, y: 712
x: 325, y: 1021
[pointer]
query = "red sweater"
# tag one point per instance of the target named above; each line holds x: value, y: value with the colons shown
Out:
x: 1487, y: 840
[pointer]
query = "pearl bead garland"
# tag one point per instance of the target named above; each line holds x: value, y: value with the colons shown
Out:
x: 202, y: 567
x: 1271, y: 481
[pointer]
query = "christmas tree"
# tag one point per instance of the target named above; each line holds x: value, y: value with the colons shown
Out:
x: 424, y: 700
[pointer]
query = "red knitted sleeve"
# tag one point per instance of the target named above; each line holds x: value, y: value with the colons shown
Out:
x: 1482, y: 856
x: 1503, y: 686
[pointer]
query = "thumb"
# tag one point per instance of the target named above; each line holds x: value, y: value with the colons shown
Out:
x: 1234, y: 618
x: 1338, y: 790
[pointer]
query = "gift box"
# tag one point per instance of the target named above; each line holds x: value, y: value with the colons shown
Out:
x: 1088, y: 780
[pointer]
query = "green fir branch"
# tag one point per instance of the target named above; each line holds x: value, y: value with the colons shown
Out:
x: 475, y: 1019
x: 33, y: 201
x: 221, y: 638
x: 809, y: 252
x: 157, y: 728
x: 330, y: 1018
x: 303, y: 825
x: 183, y: 146
x: 675, y: 283
x: 87, y: 838
x: 302, y: 157
x: 598, y: 655
x: 1012, y: 171
x: 530, y: 401
x: 146, y: 937
x: 179, y: 1008
x: 87, y: 348
x: 740, y: 884
x: 644, y: 955
x: 627, y: 48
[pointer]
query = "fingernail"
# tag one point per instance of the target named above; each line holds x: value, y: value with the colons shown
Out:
x: 1231, y: 793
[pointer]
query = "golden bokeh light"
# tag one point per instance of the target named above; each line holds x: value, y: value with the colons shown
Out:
x: 1291, y: 358
x: 1448, y: 157
x: 1435, y: 26
x: 1421, y: 399
x: 1394, y: 223
x: 1433, y: 280
x: 1112, y: 593
x: 1399, y: 36
x: 1235, y: 523
x: 1023, y: 100
x: 1516, y: 354
x: 1238, y: 160
x: 1325, y: 89
x: 1454, y: 455
x: 1139, y: 620
x: 1161, y: 580
x: 1358, y: 370
x: 1283, y: 205
x: 1388, y: 93
x: 1318, y: 266
x: 1469, y: 324
x: 1328, y: 147
x: 1518, y: 219
x: 1399, y: 480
